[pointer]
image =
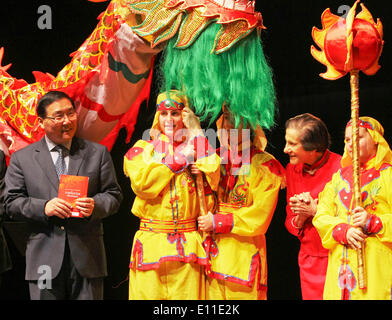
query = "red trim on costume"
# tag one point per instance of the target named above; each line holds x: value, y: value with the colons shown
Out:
x: 211, y: 249
x: 133, y: 152
x: 384, y: 166
x: 170, y: 104
x: 168, y: 226
x: 366, y: 177
x: 345, y: 197
x: 179, y: 238
x: 347, y: 281
x: 339, y: 233
x: 255, y: 268
x: 228, y: 205
x: 176, y: 162
x: 373, y: 224
x: 362, y: 123
x: 275, y: 167
x: 223, y: 223
x: 210, y: 246
x: 202, y: 147
x: 137, y: 258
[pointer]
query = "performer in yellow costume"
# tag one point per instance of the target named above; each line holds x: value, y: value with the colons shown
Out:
x: 167, y: 256
x: 342, y: 228
x: 247, y: 196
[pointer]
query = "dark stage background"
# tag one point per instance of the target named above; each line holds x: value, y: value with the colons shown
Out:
x: 299, y: 88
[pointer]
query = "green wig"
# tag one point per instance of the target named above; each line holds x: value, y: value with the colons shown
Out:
x: 239, y: 78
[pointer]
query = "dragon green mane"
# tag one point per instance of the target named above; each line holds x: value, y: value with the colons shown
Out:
x: 239, y: 78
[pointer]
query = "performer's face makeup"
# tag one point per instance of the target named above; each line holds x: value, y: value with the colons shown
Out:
x: 295, y: 149
x: 60, y: 123
x: 170, y: 121
x: 366, y: 145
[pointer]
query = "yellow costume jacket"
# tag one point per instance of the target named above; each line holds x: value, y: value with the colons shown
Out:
x: 166, y: 198
x: 332, y: 221
x: 247, y: 197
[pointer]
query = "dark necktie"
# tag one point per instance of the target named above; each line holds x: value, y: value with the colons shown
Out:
x: 60, y: 162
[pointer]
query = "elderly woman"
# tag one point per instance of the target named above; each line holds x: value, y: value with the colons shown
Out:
x: 167, y: 255
x: 311, y: 167
x: 343, y: 228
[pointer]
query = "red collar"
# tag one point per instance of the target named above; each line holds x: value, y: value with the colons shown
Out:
x: 311, y: 169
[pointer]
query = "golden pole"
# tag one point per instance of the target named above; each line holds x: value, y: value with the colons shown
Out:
x: 200, y: 193
x: 354, y: 83
x: 199, y: 179
x: 203, y: 205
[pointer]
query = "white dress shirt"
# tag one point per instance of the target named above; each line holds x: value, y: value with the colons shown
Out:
x: 55, y: 154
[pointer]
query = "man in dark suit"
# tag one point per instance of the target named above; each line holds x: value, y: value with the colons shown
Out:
x: 65, y: 256
x: 5, y: 258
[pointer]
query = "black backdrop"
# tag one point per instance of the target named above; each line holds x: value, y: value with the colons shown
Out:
x: 287, y: 42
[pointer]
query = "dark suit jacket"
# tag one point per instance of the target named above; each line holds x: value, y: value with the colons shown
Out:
x: 5, y: 258
x: 31, y: 181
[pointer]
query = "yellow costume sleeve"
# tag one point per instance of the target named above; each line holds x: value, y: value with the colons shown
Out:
x: 332, y: 218
x: 207, y: 160
x: 147, y: 173
x: 383, y: 209
x: 254, y: 218
x: 210, y: 166
x: 326, y: 218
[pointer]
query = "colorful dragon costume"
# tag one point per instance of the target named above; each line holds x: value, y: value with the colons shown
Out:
x: 108, y: 78
x: 214, y: 43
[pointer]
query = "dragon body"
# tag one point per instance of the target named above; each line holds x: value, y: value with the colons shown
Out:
x: 110, y: 74
x: 108, y: 77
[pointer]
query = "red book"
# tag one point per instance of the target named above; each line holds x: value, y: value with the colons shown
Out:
x: 72, y: 188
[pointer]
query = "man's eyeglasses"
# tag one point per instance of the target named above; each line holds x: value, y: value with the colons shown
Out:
x: 61, y: 117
